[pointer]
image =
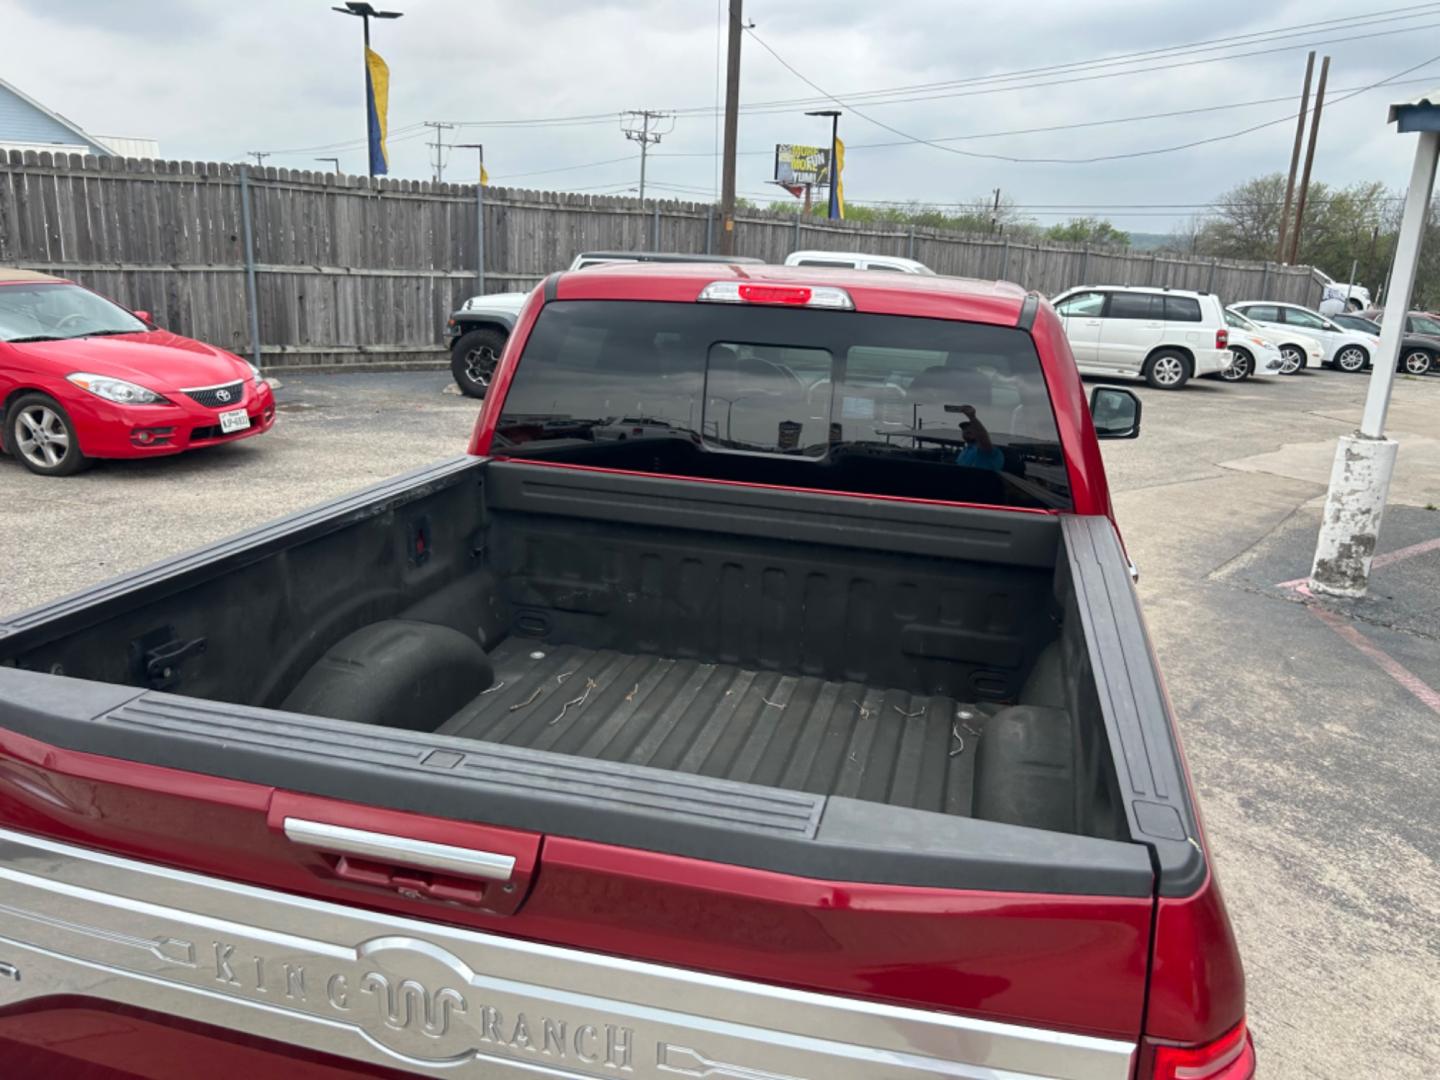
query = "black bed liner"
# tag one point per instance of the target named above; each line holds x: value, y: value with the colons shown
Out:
x: 731, y: 723
x: 798, y: 832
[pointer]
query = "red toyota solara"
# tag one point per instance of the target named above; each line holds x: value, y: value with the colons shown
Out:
x: 83, y: 378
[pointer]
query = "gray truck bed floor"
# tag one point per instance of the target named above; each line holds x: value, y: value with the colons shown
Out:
x: 718, y: 720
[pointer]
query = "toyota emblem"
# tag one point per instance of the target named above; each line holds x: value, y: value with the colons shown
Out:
x: 222, y: 395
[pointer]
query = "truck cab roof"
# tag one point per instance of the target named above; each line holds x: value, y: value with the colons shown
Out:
x: 997, y: 303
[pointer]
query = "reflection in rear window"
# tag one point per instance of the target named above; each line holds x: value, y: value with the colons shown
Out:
x: 829, y: 400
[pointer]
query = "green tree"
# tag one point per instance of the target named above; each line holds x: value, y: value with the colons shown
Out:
x: 1245, y: 223
x: 1088, y: 230
x: 1355, y: 224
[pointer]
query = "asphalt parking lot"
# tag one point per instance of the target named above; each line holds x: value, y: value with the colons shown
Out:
x: 1313, y: 731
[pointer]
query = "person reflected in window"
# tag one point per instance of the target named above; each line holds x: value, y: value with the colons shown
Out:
x: 978, y: 452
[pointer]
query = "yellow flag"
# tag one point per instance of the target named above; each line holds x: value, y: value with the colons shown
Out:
x: 377, y: 78
x: 484, y: 176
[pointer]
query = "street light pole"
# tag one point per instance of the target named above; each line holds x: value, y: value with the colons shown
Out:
x: 365, y: 12
x: 834, y: 114
x: 479, y: 148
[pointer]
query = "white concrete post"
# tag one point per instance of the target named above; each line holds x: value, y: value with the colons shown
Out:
x: 1402, y: 284
x: 1364, y: 461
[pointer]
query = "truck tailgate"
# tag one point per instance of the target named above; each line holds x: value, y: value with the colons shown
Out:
x: 425, y: 997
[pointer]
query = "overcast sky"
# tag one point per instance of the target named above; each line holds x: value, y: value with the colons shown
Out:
x: 211, y: 82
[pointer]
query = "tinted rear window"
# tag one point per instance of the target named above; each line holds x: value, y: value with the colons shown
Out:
x: 1182, y: 309
x: 835, y: 401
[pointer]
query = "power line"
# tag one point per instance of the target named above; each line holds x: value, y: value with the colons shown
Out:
x: 1208, y: 45
x: 870, y: 96
x: 867, y: 96
x: 636, y: 126
x: 568, y: 168
x: 1061, y: 161
x: 1073, y: 126
x: 440, y: 127
x: 778, y: 106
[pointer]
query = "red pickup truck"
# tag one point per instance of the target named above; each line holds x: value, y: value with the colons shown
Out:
x: 764, y: 697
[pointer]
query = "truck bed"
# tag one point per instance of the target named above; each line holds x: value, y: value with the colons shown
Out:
x: 621, y: 658
x: 729, y: 722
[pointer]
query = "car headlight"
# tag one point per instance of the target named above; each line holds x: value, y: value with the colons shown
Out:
x: 116, y: 390
x: 255, y: 376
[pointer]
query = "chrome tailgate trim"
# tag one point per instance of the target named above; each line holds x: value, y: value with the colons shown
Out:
x: 442, y: 1001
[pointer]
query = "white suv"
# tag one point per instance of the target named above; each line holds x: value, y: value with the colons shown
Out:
x: 857, y: 260
x: 1165, y: 336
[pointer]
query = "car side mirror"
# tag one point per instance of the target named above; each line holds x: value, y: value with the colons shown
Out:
x: 1116, y: 413
x: 144, y: 316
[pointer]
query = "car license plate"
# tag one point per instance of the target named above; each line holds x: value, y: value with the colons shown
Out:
x: 234, y: 420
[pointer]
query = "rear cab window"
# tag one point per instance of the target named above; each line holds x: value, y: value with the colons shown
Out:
x: 824, y: 400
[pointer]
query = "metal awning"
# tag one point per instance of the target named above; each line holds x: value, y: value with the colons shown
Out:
x: 1419, y: 114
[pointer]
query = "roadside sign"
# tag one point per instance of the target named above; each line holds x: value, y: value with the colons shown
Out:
x: 800, y: 165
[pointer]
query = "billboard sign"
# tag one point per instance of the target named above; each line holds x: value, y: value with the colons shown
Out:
x: 800, y: 165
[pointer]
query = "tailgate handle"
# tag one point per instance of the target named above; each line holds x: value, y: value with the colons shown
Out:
x: 401, y: 850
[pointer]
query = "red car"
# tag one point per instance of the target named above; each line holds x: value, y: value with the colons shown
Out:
x: 83, y: 378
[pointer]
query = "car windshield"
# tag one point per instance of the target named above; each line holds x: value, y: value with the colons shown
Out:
x: 1240, y: 322
x: 875, y: 404
x: 1426, y: 325
x: 57, y: 311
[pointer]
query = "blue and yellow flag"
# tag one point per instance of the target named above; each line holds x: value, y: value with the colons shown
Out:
x: 377, y: 89
x: 837, y: 191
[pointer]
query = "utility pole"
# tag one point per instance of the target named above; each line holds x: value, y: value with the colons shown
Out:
x: 732, y: 121
x: 1295, y: 157
x: 439, y: 144
x: 995, y: 211
x: 334, y: 161
x: 259, y: 155
x: 635, y: 125
x: 1309, y: 160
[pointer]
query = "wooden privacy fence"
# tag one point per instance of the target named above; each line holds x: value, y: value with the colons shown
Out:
x: 346, y: 270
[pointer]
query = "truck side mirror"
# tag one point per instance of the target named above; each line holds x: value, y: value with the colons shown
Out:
x: 1116, y: 413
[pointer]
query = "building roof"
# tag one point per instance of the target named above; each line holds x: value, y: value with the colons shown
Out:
x: 1418, y: 114
x: 24, y: 120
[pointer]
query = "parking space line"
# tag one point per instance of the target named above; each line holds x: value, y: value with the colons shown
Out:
x: 1386, y: 559
x: 1418, y: 687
